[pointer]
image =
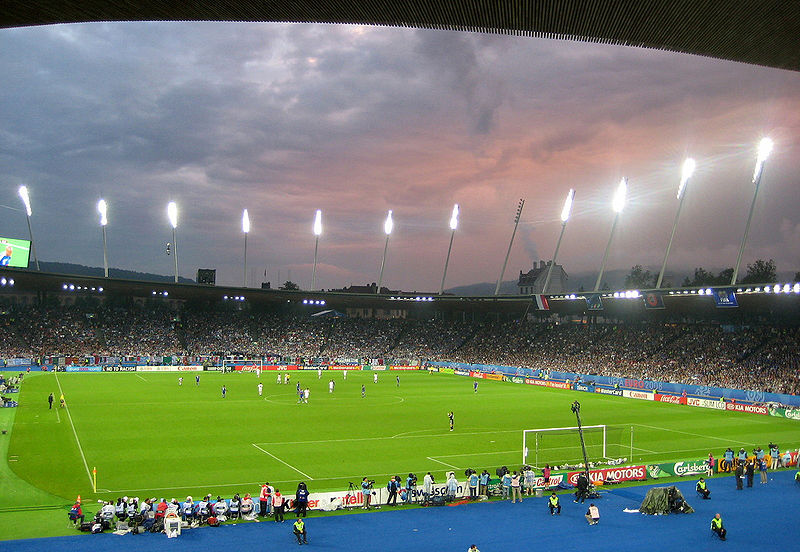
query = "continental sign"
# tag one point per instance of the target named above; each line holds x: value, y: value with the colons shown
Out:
x: 644, y: 395
x: 749, y: 408
x: 627, y: 473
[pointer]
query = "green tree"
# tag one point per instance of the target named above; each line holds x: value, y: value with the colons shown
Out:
x: 703, y: 277
x: 288, y: 285
x: 797, y: 276
x: 639, y: 278
x: 761, y: 272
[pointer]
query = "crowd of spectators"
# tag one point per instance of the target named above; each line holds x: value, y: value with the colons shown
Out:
x: 756, y: 357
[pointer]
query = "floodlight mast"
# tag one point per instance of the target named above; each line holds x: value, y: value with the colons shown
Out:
x: 102, y: 208
x: 686, y: 175
x: 618, y: 204
x: 26, y: 200
x: 565, y: 212
x: 453, y: 226
x: 245, y: 231
x: 172, y: 214
x: 764, y: 149
x: 317, y: 233
x: 514, y: 233
x: 576, y: 408
x: 387, y: 229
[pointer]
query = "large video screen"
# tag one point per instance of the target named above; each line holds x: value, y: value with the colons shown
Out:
x: 14, y: 252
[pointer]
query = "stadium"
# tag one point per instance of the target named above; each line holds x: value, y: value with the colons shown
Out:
x: 136, y: 407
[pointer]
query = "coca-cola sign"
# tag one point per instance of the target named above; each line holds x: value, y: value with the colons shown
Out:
x: 674, y: 399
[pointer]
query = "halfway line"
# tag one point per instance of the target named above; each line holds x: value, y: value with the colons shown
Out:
x: 281, y: 461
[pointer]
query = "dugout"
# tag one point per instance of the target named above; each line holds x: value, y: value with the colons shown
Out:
x: 665, y: 500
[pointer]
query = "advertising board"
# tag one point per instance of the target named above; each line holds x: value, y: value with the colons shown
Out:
x: 604, y: 391
x: 706, y: 403
x: 625, y: 473
x: 642, y: 395
x: 749, y: 408
x: 673, y: 399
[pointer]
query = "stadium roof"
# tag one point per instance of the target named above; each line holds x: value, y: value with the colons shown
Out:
x: 760, y: 32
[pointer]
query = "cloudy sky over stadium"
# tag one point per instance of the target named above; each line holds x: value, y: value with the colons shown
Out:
x: 286, y: 119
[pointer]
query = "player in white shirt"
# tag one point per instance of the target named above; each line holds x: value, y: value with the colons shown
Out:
x: 375, y: 377
x: 260, y: 389
x: 306, y: 392
x: 331, y: 385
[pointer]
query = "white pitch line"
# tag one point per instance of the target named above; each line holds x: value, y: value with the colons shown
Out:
x: 474, y: 454
x: 140, y: 377
x: 282, y: 462
x: 58, y: 416
x: 75, y: 433
x: 693, y: 434
x: 432, y: 459
x: 399, y: 436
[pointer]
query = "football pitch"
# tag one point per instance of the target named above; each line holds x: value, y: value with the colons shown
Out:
x: 148, y: 436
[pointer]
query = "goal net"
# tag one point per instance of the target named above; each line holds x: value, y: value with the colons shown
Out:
x: 562, y: 445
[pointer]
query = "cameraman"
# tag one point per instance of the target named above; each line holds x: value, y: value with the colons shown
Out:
x: 411, y: 487
x: 366, y: 490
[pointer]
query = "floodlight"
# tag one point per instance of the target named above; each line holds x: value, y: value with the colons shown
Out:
x: 172, y: 214
x: 454, y: 218
x: 23, y: 193
x: 245, y: 222
x: 318, y: 223
x: 764, y: 149
x: 686, y: 174
x: 567, y: 206
x: 619, y: 196
x: 102, y: 208
x: 388, y: 225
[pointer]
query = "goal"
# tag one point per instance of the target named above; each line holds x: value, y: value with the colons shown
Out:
x: 561, y: 445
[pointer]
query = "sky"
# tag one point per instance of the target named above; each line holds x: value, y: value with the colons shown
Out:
x: 285, y: 119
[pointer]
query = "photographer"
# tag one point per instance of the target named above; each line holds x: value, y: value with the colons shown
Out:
x: 427, y: 484
x: 366, y: 490
x: 392, y: 487
x: 411, y: 487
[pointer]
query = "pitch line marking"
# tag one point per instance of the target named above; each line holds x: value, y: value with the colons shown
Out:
x: 493, y: 432
x: 58, y: 416
x: 432, y: 459
x: 282, y: 462
x: 75, y: 433
x: 693, y: 434
x: 141, y: 378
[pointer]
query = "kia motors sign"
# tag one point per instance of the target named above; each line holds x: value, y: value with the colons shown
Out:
x: 749, y: 408
x: 627, y: 473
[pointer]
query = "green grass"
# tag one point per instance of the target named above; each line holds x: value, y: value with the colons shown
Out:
x: 149, y: 437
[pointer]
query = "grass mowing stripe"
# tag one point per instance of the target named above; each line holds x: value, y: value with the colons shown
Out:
x: 282, y: 462
x: 75, y: 433
x: 693, y: 434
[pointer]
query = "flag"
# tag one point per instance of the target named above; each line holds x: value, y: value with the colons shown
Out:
x: 542, y: 303
x: 653, y: 300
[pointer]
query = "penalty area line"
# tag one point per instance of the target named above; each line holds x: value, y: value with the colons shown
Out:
x: 282, y: 462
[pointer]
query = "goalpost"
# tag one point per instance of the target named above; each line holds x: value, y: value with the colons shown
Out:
x: 561, y: 445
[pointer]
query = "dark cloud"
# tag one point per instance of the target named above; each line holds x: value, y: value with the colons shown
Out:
x: 286, y: 119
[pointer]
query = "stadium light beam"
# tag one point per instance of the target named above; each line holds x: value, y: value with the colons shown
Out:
x: 510, y: 243
x: 317, y: 232
x: 686, y: 174
x: 453, y: 226
x: 618, y: 204
x: 23, y: 194
x: 245, y: 231
x: 102, y: 208
x: 764, y: 149
x: 565, y: 212
x: 172, y: 215
x: 388, y: 226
